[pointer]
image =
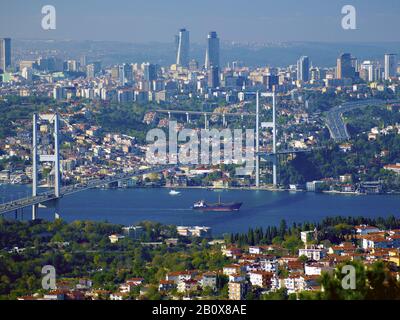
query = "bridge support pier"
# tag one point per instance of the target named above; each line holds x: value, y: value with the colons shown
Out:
x: 34, y: 211
x: 57, y: 209
x: 224, y: 123
x: 274, y: 170
x: 205, y: 121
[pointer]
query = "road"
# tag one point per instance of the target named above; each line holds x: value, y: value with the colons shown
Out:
x: 334, y: 118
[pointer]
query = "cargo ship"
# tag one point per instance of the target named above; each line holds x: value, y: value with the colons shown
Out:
x: 220, y: 207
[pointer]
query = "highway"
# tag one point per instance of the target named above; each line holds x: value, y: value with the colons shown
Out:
x: 49, y: 195
x: 289, y: 151
x: 236, y: 114
x: 334, y: 118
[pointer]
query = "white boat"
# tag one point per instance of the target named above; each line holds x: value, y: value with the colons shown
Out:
x: 174, y: 192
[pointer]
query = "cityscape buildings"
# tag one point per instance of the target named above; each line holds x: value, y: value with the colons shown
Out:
x: 104, y: 108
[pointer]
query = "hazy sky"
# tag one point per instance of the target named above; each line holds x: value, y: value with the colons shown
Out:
x: 236, y: 20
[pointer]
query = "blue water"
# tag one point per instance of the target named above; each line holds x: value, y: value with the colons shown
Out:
x: 260, y: 208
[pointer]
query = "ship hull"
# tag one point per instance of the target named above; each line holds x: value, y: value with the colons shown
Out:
x: 219, y: 207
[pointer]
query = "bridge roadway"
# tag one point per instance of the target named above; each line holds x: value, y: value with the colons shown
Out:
x: 289, y: 151
x: 49, y: 195
x: 237, y: 114
x: 334, y: 117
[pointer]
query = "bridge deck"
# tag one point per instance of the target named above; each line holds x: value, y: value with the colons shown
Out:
x: 48, y: 196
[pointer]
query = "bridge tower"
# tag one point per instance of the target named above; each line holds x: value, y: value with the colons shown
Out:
x: 36, y: 159
x: 257, y: 140
x: 267, y: 125
x: 274, y: 158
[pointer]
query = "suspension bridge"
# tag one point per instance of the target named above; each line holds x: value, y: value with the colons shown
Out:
x: 52, y: 197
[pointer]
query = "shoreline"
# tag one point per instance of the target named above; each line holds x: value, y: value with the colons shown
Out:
x: 262, y: 188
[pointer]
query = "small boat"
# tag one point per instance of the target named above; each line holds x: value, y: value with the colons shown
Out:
x: 174, y: 193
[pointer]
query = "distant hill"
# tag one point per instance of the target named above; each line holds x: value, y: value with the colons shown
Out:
x: 273, y: 54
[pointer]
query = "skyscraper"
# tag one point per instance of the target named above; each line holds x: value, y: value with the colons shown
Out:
x: 121, y: 74
x: 212, y: 51
x: 149, y: 72
x: 5, y: 54
x: 344, y: 68
x: 303, y: 69
x: 213, y: 77
x: 390, y: 65
x: 182, y: 56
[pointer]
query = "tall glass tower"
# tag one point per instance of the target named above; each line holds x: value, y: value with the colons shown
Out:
x: 182, y: 56
x: 344, y: 67
x: 390, y: 65
x: 212, y: 51
x: 5, y: 54
x: 303, y: 69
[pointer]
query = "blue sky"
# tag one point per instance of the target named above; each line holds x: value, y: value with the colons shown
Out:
x: 234, y: 20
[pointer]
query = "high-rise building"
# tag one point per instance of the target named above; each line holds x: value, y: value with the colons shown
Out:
x: 367, y: 71
x: 344, y: 68
x: 212, y: 51
x: 82, y: 61
x: 5, y: 54
x: 390, y: 65
x: 128, y: 72
x: 271, y: 80
x: 193, y: 65
x: 213, y: 77
x: 149, y: 72
x: 303, y: 69
x: 121, y: 74
x: 182, y: 56
x: 90, y: 71
x: 27, y: 74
